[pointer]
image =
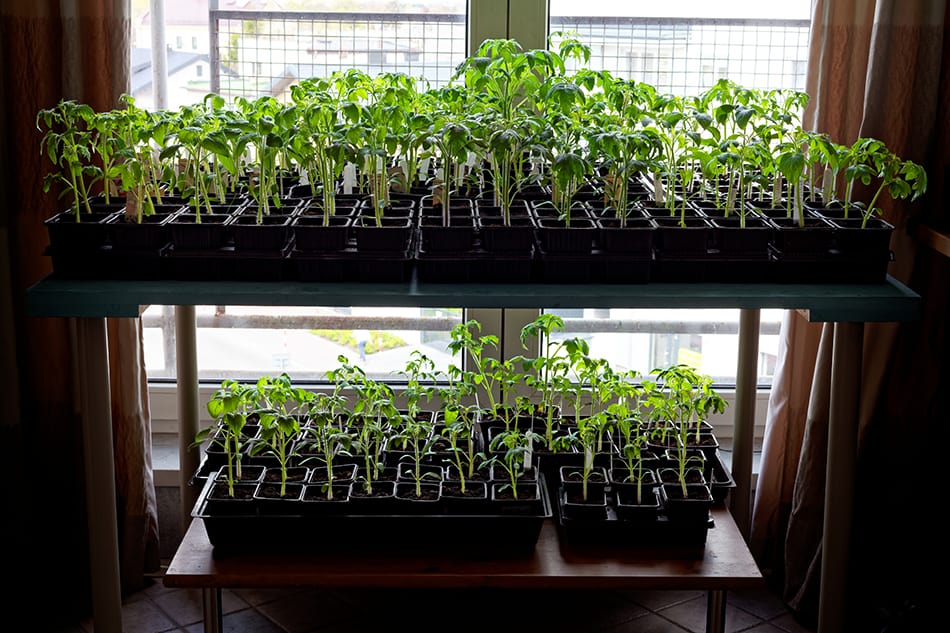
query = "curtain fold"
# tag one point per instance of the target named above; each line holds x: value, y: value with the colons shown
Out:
x: 51, y: 50
x: 876, y: 69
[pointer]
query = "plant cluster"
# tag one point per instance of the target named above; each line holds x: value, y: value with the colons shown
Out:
x: 615, y: 414
x: 509, y: 118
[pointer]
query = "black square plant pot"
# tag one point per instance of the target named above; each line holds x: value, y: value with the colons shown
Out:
x: 312, y: 233
x: 812, y: 235
x: 691, y: 508
x: 393, y: 234
x: 187, y: 233
x: 269, y: 232
x: 690, y: 236
x: 634, y: 236
x: 91, y: 231
x: 558, y: 237
x: 746, y: 237
x: 152, y: 232
x: 457, y: 237
x: 855, y: 237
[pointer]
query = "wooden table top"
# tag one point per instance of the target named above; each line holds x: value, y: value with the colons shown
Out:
x: 723, y: 563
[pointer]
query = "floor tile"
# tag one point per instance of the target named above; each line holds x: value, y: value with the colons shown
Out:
x: 143, y: 616
x: 691, y: 615
x: 789, y: 624
x: 759, y: 602
x: 649, y: 623
x: 246, y: 621
x: 184, y: 605
x: 306, y: 611
x: 765, y: 627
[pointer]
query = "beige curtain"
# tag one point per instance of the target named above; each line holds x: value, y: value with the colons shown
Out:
x: 49, y: 50
x: 876, y: 69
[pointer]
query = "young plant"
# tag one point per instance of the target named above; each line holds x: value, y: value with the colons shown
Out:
x: 227, y: 407
x: 284, y: 405
x: 871, y: 161
x: 328, y: 437
x: 417, y: 436
x: 516, y: 448
x: 373, y: 408
x: 459, y: 430
x: 321, y: 147
x: 66, y: 142
x: 549, y: 369
x: 266, y: 129
x: 451, y: 137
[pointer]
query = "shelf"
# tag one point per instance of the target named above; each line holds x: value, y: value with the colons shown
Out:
x: 889, y: 301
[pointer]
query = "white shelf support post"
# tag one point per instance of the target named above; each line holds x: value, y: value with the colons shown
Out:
x: 746, y: 380
x: 186, y: 352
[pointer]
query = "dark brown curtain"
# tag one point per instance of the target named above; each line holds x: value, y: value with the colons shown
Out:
x: 876, y: 69
x: 50, y: 50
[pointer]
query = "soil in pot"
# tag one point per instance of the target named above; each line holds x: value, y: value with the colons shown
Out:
x: 220, y: 502
x: 472, y: 500
x: 324, y: 499
x: 342, y: 474
x: 421, y: 499
x: 272, y: 502
x: 294, y: 474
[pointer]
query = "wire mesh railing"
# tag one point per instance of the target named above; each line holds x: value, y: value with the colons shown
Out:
x: 255, y: 53
x: 263, y: 53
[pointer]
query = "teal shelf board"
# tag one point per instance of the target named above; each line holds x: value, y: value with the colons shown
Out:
x: 888, y: 301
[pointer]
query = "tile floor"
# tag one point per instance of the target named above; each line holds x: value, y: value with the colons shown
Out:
x: 159, y: 609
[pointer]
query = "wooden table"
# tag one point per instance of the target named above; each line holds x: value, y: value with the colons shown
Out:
x: 724, y: 563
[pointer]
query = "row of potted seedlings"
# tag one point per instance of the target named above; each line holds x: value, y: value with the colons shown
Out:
x: 487, y: 452
x: 516, y: 160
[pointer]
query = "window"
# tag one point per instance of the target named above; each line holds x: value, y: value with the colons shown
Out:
x: 267, y: 52
x: 679, y: 45
x: 684, y: 46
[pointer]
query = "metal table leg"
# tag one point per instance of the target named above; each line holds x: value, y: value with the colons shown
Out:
x: 716, y: 611
x: 211, y: 606
x: 96, y: 404
x: 840, y: 469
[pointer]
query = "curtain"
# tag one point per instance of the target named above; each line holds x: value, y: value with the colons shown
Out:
x: 876, y: 69
x: 51, y: 50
